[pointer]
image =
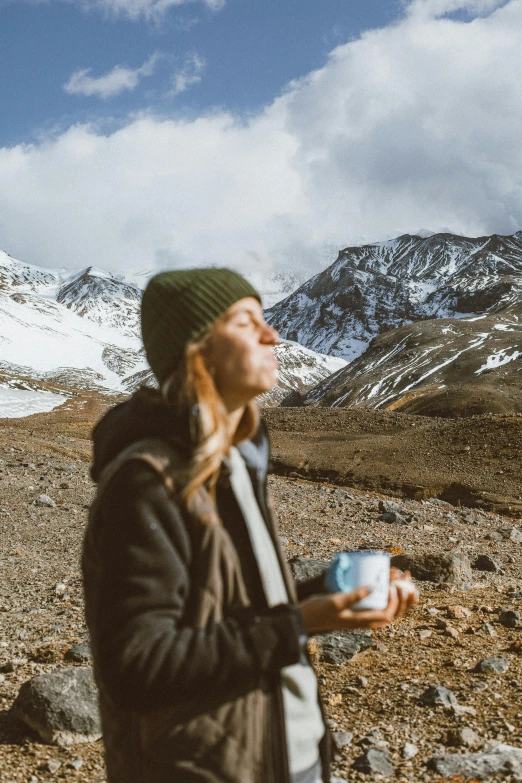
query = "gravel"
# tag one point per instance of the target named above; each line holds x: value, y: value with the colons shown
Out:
x: 40, y: 623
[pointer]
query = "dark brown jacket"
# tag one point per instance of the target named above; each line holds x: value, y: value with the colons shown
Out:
x: 187, y: 653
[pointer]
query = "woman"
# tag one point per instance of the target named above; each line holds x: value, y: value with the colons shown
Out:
x: 198, y: 636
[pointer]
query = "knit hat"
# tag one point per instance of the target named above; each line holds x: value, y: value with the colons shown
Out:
x: 179, y: 306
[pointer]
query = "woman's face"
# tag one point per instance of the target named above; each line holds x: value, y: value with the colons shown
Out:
x: 239, y: 353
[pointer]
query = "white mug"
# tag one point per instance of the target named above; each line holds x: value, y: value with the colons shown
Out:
x: 361, y: 568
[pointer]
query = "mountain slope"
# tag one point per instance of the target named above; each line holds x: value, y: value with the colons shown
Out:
x: 78, y: 328
x: 444, y: 367
x: 81, y: 329
x: 377, y: 287
x: 299, y: 370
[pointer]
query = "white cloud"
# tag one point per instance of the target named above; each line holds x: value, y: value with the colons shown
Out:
x: 413, y: 125
x: 189, y: 74
x: 437, y: 8
x: 119, y: 79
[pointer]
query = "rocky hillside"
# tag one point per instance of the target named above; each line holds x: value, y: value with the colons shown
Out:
x: 372, y: 289
x: 443, y: 367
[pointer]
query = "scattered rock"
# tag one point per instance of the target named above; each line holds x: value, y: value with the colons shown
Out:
x: 46, y: 653
x: 79, y: 653
x: 511, y: 534
x: 452, y: 631
x: 463, y: 738
x: 409, y: 750
x: 390, y: 507
x: 458, y: 612
x: 304, y: 568
x: 486, y: 563
x: 450, y: 568
x: 75, y: 764
x: 45, y: 501
x: 502, y: 761
x: 61, y: 706
x: 342, y: 738
x: 373, y: 739
x: 52, y: 766
x: 509, y: 618
x: 375, y: 761
x: 11, y: 665
x: 498, y: 665
x: 340, y: 646
x: 393, y: 518
x: 438, y: 694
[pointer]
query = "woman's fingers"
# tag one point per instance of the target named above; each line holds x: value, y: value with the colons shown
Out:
x: 344, y: 601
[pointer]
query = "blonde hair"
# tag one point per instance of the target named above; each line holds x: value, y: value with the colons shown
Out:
x: 191, y: 390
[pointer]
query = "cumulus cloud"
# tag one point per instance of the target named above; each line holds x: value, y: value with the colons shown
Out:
x: 189, y: 74
x: 417, y: 124
x: 119, y: 79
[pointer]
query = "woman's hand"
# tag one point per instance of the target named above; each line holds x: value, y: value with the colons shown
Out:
x: 334, y: 613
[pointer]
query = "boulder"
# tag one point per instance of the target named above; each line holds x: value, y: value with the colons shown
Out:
x: 340, y: 646
x: 304, y: 568
x: 375, y: 761
x: 437, y: 694
x: 394, y: 518
x: 486, y: 563
x: 498, y: 665
x: 497, y: 763
x: 447, y: 567
x: 79, y: 653
x: 61, y: 706
x: 509, y: 618
x: 463, y: 738
x: 511, y: 534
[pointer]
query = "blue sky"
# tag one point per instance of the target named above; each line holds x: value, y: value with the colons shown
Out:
x: 250, y: 48
x: 262, y: 134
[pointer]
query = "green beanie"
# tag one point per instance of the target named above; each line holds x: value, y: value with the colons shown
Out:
x: 179, y: 306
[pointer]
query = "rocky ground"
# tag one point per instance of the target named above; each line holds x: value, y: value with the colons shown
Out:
x: 375, y: 699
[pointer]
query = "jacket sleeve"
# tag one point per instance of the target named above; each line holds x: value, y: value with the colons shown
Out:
x: 144, y: 653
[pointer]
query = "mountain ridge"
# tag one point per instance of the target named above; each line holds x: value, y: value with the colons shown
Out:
x: 380, y: 286
x: 81, y: 329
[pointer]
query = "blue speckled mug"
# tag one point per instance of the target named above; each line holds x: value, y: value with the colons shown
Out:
x: 361, y: 568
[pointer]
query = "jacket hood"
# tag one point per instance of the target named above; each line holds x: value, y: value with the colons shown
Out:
x: 144, y: 415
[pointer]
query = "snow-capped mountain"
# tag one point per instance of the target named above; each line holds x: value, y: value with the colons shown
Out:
x: 101, y: 298
x: 81, y: 329
x: 440, y: 367
x: 76, y: 328
x: 377, y: 287
x: 299, y: 370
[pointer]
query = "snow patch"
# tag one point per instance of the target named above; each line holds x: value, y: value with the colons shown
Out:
x: 16, y: 403
x: 497, y: 359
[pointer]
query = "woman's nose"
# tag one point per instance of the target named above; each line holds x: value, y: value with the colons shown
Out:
x: 270, y: 335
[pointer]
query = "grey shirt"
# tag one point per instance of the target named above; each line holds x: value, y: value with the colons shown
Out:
x: 303, y: 719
